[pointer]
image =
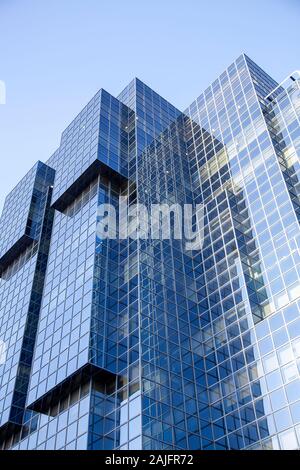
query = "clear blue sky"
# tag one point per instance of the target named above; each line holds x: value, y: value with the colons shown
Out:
x: 54, y: 55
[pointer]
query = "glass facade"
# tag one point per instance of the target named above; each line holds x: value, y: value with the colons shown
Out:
x: 131, y: 344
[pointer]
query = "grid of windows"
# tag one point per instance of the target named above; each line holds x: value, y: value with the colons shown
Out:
x: 251, y: 261
x: 24, y: 208
x: 99, y: 132
x: 15, y: 297
x: 20, y: 295
x: 66, y: 431
x: 63, y: 332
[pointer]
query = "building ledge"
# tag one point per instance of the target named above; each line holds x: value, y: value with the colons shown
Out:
x: 88, y: 176
x: 83, y: 375
x: 24, y: 242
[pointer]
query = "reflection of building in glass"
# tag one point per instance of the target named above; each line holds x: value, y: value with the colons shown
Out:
x: 130, y: 344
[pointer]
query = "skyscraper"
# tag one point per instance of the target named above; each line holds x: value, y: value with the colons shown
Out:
x: 124, y: 343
